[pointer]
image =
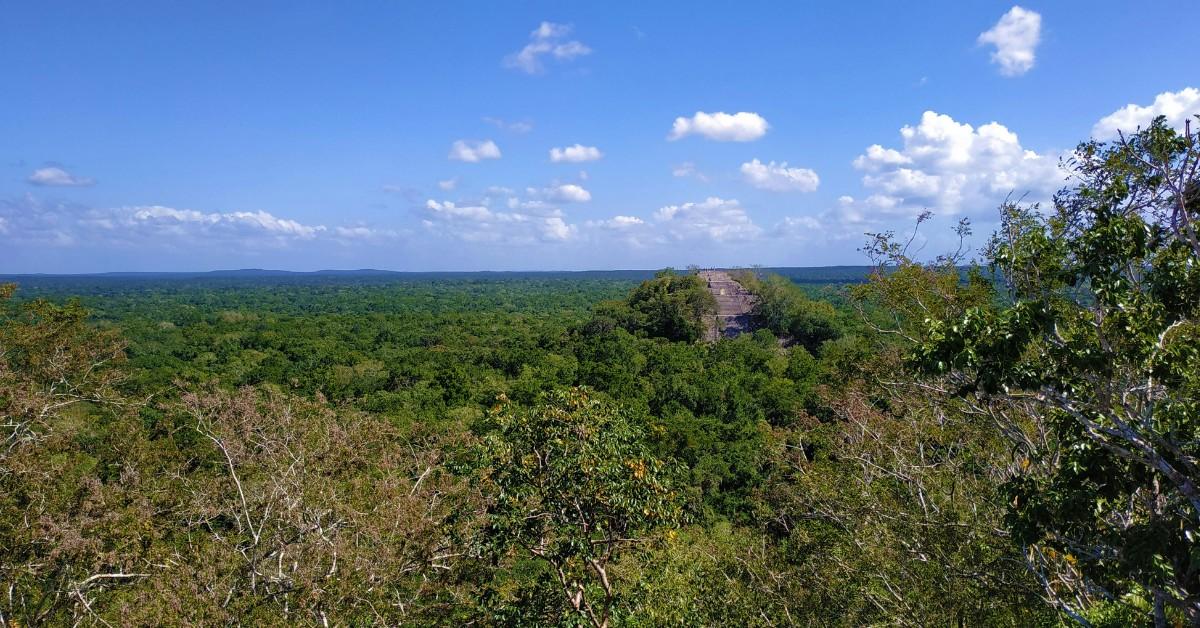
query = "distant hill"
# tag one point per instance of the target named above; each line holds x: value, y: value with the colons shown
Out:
x: 803, y: 274
x: 255, y: 273
x: 97, y: 284
x: 823, y: 274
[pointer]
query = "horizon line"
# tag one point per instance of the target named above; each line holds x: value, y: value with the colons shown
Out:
x: 409, y: 272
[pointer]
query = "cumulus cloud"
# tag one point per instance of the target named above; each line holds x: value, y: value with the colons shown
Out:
x: 449, y: 210
x: 474, y: 151
x: 851, y: 217
x: 52, y: 176
x: 846, y: 220
x: 779, y: 177
x: 877, y: 155
x: 800, y: 228
x: 479, y: 223
x: 575, y: 154
x: 1176, y: 106
x: 566, y: 193
x: 742, y: 126
x: 951, y: 167
x: 31, y: 221
x: 220, y: 225
x: 688, y: 169
x: 548, y: 40
x: 630, y: 230
x: 713, y: 219
x: 447, y: 184
x: 535, y: 201
x: 619, y: 223
x: 1015, y: 37
x: 363, y: 233
x: 67, y: 225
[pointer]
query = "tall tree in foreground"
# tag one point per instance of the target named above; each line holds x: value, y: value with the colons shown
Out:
x: 67, y: 485
x: 900, y: 494
x: 1099, y: 343
x: 572, y: 486
x: 298, y: 512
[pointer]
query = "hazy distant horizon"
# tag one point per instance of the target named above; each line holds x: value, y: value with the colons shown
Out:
x: 384, y: 271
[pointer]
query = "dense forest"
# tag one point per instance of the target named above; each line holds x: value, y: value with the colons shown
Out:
x: 1009, y: 441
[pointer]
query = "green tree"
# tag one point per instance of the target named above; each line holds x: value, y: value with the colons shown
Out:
x: 671, y: 306
x: 890, y: 508
x: 299, y: 512
x: 783, y: 308
x: 572, y: 485
x: 1098, y: 342
x: 68, y: 487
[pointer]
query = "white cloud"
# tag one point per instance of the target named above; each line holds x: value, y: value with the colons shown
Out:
x: 1176, y: 106
x: 518, y: 126
x: 448, y: 184
x: 158, y: 212
x: 555, y: 228
x: 1015, y: 37
x: 800, y: 228
x: 449, y: 210
x: 617, y: 222
x: 742, y: 126
x: 31, y: 221
x: 950, y: 167
x: 570, y: 193
x: 630, y: 230
x: 478, y: 223
x: 354, y: 232
x: 847, y: 220
x: 547, y: 40
x: 474, y: 151
x: 362, y: 233
x: 567, y: 193
x: 575, y: 154
x: 51, y: 176
x: 878, y: 156
x: 532, y: 204
x: 218, y: 224
x: 714, y: 219
x: 688, y: 169
x: 780, y: 178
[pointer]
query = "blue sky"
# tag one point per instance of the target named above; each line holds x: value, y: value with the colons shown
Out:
x: 172, y: 136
